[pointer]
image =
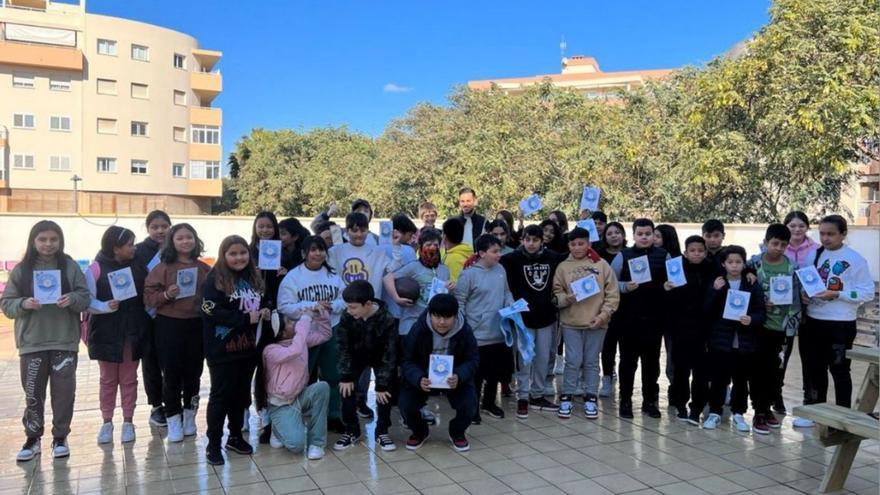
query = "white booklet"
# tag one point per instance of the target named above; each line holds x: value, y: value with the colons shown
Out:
x: 781, y: 290
x: 385, y: 232
x: 47, y: 286
x: 270, y: 255
x: 187, y: 279
x: 810, y: 280
x: 590, y: 198
x: 736, y: 305
x: 639, y: 270
x: 122, y: 284
x: 675, y: 271
x: 440, y: 368
x: 590, y: 226
x: 336, y: 235
x: 531, y: 205
x: 583, y: 288
x: 437, y: 287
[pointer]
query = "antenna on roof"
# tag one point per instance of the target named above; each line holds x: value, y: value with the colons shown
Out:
x: 562, y: 46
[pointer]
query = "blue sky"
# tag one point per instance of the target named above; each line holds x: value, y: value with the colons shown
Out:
x: 306, y: 64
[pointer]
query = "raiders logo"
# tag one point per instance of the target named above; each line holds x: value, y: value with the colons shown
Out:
x: 537, y: 275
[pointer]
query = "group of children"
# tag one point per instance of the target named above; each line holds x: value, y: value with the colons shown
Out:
x: 303, y: 342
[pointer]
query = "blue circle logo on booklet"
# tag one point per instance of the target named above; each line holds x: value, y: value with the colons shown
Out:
x: 588, y: 285
x: 386, y: 229
x: 121, y: 281
x: 780, y: 286
x: 186, y: 279
x: 590, y: 195
x: 639, y: 266
x: 674, y: 269
x: 809, y: 277
x: 535, y: 204
x: 440, y: 367
x: 46, y: 282
x: 738, y: 301
x: 269, y: 251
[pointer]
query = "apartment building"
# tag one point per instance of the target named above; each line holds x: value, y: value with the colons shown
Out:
x: 102, y: 115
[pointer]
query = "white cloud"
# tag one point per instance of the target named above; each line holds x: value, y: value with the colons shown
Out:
x: 394, y: 88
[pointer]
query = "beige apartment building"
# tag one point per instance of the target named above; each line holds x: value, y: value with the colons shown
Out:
x: 117, y: 110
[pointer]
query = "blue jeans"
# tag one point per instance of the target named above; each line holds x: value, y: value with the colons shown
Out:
x: 289, y: 426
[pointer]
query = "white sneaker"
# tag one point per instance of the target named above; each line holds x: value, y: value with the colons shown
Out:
x: 175, y: 428
x: 246, y: 425
x: 712, y: 422
x: 315, y: 452
x: 189, y: 422
x: 607, y: 386
x: 128, y: 433
x: 560, y: 365
x: 274, y: 442
x: 802, y: 423
x: 105, y: 434
x: 740, y: 423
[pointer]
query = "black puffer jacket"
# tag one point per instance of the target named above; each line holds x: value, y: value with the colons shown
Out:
x: 722, y: 331
x: 109, y: 332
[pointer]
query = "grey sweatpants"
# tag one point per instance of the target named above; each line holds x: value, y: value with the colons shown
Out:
x: 38, y: 369
x: 530, y: 379
x: 582, y: 348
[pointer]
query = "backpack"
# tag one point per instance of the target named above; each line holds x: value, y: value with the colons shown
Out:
x: 85, y: 316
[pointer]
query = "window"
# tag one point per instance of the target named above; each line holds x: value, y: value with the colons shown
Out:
x: 200, y: 169
x: 179, y: 61
x: 59, y: 163
x: 57, y: 83
x: 141, y: 91
x: 180, y: 134
x: 107, y: 165
x: 106, y: 126
x: 106, y: 86
x: 107, y: 47
x: 23, y: 162
x: 23, y: 120
x: 178, y: 170
x: 140, y: 52
x: 59, y: 123
x: 138, y: 128
x: 206, y: 134
x: 25, y: 81
x: 179, y: 97
x: 138, y: 167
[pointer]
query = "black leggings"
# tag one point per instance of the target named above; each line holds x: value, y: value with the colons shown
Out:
x: 179, y: 344
x: 230, y: 395
x: 824, y: 347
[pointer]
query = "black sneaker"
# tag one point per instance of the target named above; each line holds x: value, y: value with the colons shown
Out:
x: 266, y: 435
x: 682, y: 414
x: 694, y: 418
x: 363, y: 411
x: 346, y: 441
x: 651, y: 410
x: 385, y: 442
x: 460, y: 443
x: 542, y: 404
x: 239, y: 446
x: 494, y: 411
x: 157, y: 417
x: 214, y: 456
x: 626, y: 409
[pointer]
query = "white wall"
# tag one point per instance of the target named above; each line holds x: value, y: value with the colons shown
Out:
x: 83, y: 234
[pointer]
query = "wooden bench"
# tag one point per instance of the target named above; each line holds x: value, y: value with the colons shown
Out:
x: 845, y: 427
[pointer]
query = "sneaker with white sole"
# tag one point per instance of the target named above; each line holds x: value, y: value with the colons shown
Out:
x: 315, y: 453
x: 175, y: 428
x: 385, y: 442
x: 712, y: 422
x: 274, y: 442
x: 564, y: 410
x: 29, y: 450
x: 591, y: 411
x: 803, y: 423
x: 607, y: 386
x: 128, y: 435
x: 346, y: 441
x: 157, y: 417
x: 740, y: 423
x: 105, y: 434
x: 60, y: 448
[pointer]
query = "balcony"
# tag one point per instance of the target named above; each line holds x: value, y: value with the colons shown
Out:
x: 27, y: 4
x: 41, y: 56
x: 207, y: 58
x: 205, y: 116
x: 207, y: 152
x: 206, y: 85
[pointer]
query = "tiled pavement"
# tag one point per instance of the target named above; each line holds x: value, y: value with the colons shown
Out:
x: 542, y: 455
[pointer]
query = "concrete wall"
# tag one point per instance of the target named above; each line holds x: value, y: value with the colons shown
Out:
x: 83, y: 234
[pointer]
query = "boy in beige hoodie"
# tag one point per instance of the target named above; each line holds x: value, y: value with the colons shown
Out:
x: 583, y: 322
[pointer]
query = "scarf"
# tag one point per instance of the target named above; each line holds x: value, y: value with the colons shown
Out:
x: 429, y: 256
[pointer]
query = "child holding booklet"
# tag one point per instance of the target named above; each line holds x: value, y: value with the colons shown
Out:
x: 776, y: 273
x: 583, y: 322
x: 733, y: 343
x: 46, y: 335
x: 179, y: 326
x: 481, y: 291
x: 146, y: 255
x: 440, y: 330
x: 831, y: 314
x: 117, y: 328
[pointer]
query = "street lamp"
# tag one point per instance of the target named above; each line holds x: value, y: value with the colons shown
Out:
x: 76, y: 179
